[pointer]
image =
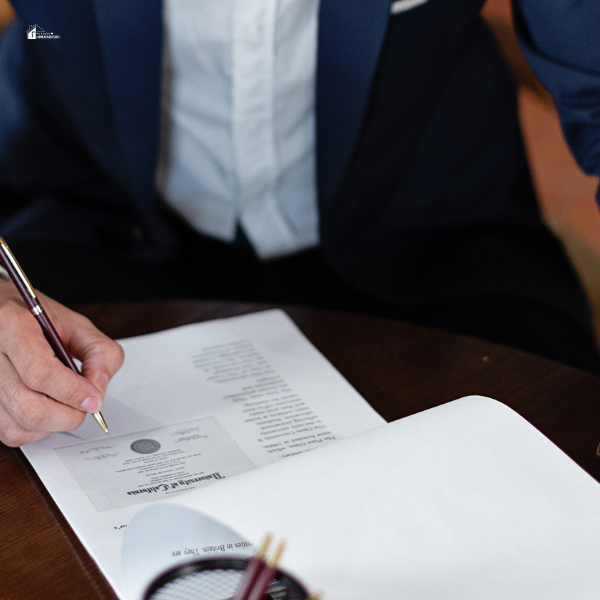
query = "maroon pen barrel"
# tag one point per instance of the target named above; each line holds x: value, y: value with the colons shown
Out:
x: 9, y: 262
x: 255, y: 566
x: 55, y: 341
x: 261, y: 583
x: 16, y: 279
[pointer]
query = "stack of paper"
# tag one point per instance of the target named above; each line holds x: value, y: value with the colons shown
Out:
x: 464, y: 501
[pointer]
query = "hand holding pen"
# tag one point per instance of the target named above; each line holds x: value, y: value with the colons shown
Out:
x: 38, y: 393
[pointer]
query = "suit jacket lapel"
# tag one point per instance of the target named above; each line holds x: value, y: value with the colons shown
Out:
x: 351, y: 34
x: 130, y: 36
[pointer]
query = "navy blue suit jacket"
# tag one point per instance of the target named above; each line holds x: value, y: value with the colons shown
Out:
x: 421, y: 99
x: 99, y: 86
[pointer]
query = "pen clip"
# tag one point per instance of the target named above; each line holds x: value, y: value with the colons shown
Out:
x: 16, y: 267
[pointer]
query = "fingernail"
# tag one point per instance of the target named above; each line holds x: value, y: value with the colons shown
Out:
x: 90, y: 405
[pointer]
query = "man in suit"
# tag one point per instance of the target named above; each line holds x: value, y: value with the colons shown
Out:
x: 359, y: 154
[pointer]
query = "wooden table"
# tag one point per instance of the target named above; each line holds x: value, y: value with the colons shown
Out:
x: 398, y: 367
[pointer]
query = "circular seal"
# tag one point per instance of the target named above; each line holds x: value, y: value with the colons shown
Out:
x: 145, y: 446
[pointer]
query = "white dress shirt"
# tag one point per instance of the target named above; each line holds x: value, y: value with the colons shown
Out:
x: 238, y: 120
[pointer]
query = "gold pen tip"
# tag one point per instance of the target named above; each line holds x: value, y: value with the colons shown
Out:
x: 100, y: 420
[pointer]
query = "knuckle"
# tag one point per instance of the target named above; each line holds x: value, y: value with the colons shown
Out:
x: 12, y: 437
x: 36, y: 374
x: 10, y: 389
x: 15, y: 321
x: 19, y: 315
x: 30, y: 415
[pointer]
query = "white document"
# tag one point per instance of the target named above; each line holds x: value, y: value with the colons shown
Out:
x: 466, y: 501
x: 191, y: 408
x: 130, y: 469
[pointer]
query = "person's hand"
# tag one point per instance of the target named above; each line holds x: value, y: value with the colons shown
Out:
x: 38, y: 394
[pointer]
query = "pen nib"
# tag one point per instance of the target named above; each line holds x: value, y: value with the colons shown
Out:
x: 100, y: 420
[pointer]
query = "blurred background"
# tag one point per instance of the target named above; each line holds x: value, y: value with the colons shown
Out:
x: 566, y: 194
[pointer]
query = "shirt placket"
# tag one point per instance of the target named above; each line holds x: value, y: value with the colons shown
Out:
x: 253, y: 124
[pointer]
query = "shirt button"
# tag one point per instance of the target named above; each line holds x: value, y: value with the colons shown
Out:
x: 255, y: 33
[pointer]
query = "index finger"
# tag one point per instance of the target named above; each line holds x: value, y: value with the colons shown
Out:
x: 101, y: 357
x: 23, y: 342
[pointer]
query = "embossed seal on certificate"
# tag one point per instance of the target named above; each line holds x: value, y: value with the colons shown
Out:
x: 145, y: 446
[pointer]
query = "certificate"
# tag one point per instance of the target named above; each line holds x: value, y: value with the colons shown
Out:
x: 154, y: 465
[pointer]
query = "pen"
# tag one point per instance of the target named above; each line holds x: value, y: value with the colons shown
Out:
x: 259, y: 574
x: 255, y: 566
x: 9, y: 262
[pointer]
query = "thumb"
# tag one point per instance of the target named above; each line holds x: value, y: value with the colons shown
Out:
x: 100, y: 361
x: 97, y: 378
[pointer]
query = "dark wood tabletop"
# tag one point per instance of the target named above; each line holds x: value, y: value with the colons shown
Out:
x: 398, y: 367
